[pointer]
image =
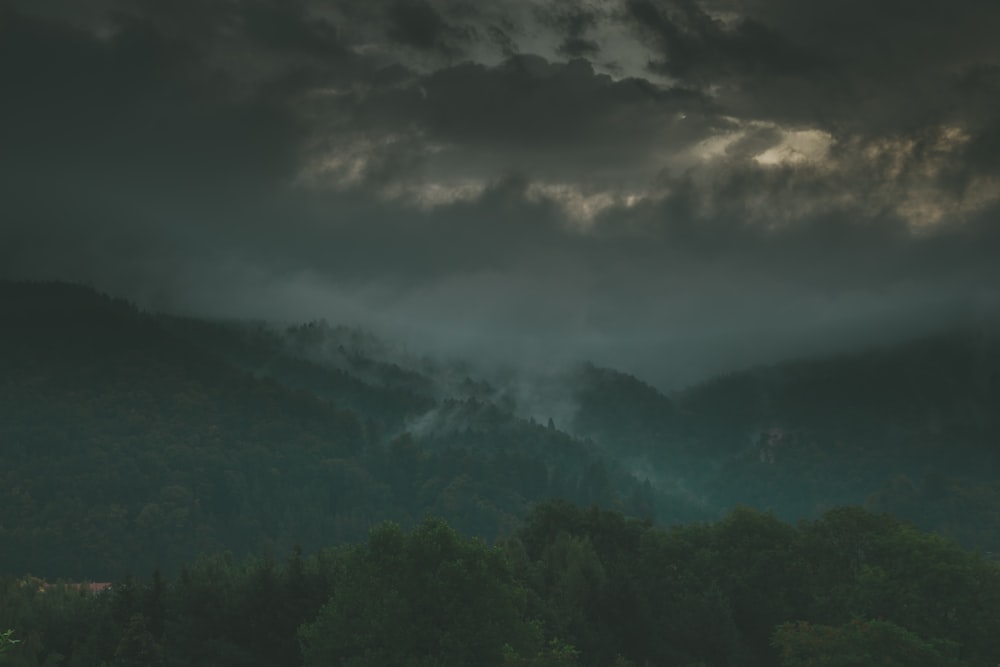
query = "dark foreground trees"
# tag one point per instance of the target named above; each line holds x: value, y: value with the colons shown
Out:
x: 571, y: 587
x: 860, y: 644
x: 425, y: 599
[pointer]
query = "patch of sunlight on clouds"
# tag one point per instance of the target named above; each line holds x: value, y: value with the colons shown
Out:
x: 428, y: 196
x: 349, y: 161
x: 793, y: 146
x: 797, y: 146
x: 582, y: 205
x: 341, y: 169
x: 716, y: 147
x: 914, y: 171
x: 925, y: 207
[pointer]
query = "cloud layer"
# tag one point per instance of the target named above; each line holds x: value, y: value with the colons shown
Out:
x: 677, y: 187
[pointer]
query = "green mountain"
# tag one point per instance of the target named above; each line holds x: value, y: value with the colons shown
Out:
x: 130, y: 439
x: 912, y: 428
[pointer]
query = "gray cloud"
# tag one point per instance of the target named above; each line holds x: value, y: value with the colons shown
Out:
x: 694, y: 45
x: 574, y: 21
x: 676, y: 187
x: 416, y: 23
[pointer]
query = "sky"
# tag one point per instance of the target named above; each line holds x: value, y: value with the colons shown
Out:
x: 673, y: 187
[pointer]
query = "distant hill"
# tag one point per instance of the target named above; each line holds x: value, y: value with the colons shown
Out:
x: 912, y: 428
x: 131, y: 439
x: 946, y: 385
x: 622, y: 410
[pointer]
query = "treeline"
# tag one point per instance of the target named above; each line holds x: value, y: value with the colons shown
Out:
x: 571, y: 587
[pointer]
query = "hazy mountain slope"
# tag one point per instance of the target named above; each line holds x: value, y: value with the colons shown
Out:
x: 622, y: 411
x: 120, y: 440
x: 127, y: 442
x: 912, y: 428
x: 129, y: 438
x: 303, y: 358
x: 946, y: 383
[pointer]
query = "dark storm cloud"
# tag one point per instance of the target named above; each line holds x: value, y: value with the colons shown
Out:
x: 526, y: 114
x: 772, y: 178
x: 499, y: 36
x: 856, y: 65
x: 695, y: 45
x: 136, y: 106
x: 573, y: 21
x: 577, y: 47
x: 286, y: 27
x: 416, y: 23
x: 532, y: 102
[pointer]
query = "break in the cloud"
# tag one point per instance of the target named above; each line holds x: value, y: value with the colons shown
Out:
x: 673, y: 186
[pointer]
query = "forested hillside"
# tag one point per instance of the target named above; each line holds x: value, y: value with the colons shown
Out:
x: 911, y: 428
x: 133, y: 439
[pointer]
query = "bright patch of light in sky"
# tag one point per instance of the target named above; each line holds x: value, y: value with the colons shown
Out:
x: 797, y: 146
x: 579, y: 204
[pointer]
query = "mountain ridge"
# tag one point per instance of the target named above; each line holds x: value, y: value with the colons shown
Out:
x: 132, y: 437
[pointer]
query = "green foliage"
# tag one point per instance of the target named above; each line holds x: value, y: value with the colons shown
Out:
x: 572, y: 587
x: 713, y: 593
x: 138, y: 647
x: 859, y: 644
x: 554, y: 654
x: 7, y: 640
x: 427, y: 598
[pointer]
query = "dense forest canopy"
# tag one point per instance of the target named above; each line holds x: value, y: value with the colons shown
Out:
x: 569, y: 587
